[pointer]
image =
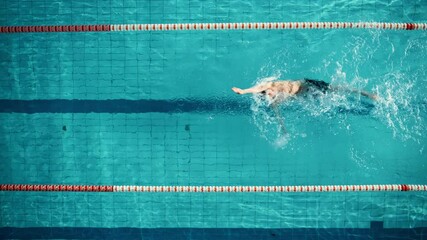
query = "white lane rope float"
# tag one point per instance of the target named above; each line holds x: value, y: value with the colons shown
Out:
x: 212, y: 189
x: 213, y: 26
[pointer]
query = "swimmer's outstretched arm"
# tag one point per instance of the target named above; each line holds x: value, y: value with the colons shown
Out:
x: 254, y: 89
x: 279, y: 117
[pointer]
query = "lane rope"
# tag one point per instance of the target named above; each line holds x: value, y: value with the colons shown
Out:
x: 214, y: 26
x: 210, y: 189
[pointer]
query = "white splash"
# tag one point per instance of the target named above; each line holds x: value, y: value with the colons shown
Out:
x: 394, y: 80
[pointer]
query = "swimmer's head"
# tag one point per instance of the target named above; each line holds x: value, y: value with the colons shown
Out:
x: 269, y: 96
x: 270, y: 93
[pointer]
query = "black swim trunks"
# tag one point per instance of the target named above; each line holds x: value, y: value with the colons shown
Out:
x: 316, y: 85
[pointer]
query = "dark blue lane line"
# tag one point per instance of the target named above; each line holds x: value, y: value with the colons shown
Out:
x: 211, y: 233
x: 229, y: 106
x: 124, y: 106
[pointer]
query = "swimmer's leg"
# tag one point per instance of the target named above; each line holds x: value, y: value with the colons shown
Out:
x: 372, y: 96
x: 369, y: 95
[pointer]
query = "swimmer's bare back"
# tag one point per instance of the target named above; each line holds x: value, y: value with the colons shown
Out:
x: 273, y: 88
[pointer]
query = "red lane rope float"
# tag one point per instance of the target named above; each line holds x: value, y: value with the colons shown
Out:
x: 215, y: 26
x: 208, y: 189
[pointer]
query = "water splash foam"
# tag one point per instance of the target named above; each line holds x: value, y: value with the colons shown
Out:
x: 393, y: 79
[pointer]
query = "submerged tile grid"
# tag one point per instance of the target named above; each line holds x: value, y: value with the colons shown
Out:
x: 157, y: 149
x: 212, y: 210
x: 145, y: 149
x: 79, y: 12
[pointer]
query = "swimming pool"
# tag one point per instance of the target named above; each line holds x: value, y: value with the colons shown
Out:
x: 154, y: 108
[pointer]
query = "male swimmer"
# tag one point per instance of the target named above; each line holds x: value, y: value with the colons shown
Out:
x: 278, y: 91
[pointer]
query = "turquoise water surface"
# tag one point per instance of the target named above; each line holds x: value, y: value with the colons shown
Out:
x: 201, y: 133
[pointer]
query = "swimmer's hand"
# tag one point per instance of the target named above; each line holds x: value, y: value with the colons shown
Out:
x: 237, y: 90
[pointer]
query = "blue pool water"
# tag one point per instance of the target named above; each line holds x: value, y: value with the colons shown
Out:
x: 156, y: 108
